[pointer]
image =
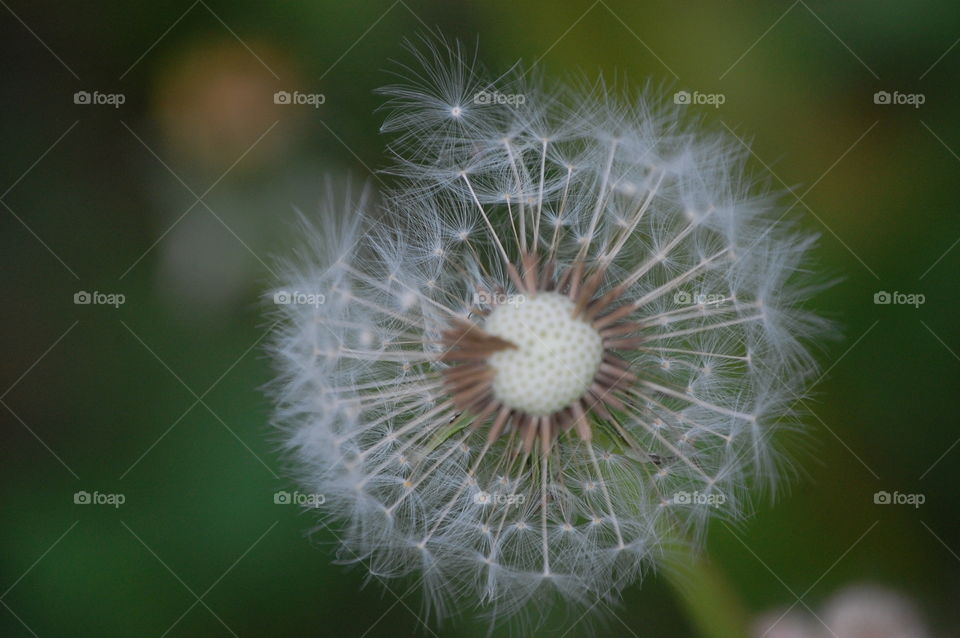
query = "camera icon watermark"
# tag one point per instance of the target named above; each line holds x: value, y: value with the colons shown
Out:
x: 298, y: 98
x: 898, y: 98
x: 896, y: 298
x: 496, y: 97
x: 297, y: 298
x: 96, y: 98
x: 487, y: 298
x: 697, y: 98
x: 283, y: 497
x: 483, y: 498
x: 97, y: 498
x: 896, y: 498
x: 96, y: 298
x: 686, y: 298
x: 699, y: 498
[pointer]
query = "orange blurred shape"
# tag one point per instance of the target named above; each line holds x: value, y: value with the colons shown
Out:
x: 214, y: 99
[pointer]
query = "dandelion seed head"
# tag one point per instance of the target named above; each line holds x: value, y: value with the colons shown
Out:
x: 572, y: 321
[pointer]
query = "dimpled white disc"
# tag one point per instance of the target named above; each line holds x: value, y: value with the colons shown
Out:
x: 556, y: 357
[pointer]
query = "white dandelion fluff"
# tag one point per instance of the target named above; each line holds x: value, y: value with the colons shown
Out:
x: 561, y: 346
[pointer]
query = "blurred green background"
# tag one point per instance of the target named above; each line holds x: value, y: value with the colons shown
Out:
x: 180, y: 197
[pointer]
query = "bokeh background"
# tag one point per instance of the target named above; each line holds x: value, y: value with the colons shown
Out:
x: 180, y: 197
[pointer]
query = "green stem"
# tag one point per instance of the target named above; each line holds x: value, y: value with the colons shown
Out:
x: 708, y: 597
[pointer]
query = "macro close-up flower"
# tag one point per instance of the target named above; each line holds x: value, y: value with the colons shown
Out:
x: 496, y: 319
x: 562, y: 340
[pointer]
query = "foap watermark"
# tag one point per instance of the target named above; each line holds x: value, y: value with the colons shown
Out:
x: 686, y: 298
x: 699, y: 498
x: 898, y: 98
x: 498, y: 498
x: 297, y: 298
x: 96, y: 98
x: 896, y: 498
x: 496, y: 97
x: 298, y: 498
x: 698, y: 98
x: 896, y: 298
x: 296, y: 97
x: 97, y: 298
x: 99, y: 498
x: 487, y: 298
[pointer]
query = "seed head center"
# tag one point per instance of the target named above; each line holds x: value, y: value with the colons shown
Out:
x: 556, y: 356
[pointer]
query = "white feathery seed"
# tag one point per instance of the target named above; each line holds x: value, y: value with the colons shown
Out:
x: 564, y: 343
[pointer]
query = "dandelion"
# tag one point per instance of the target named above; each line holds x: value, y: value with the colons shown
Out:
x: 557, y: 349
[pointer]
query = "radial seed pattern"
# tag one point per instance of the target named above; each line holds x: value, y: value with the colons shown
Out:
x: 410, y: 398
